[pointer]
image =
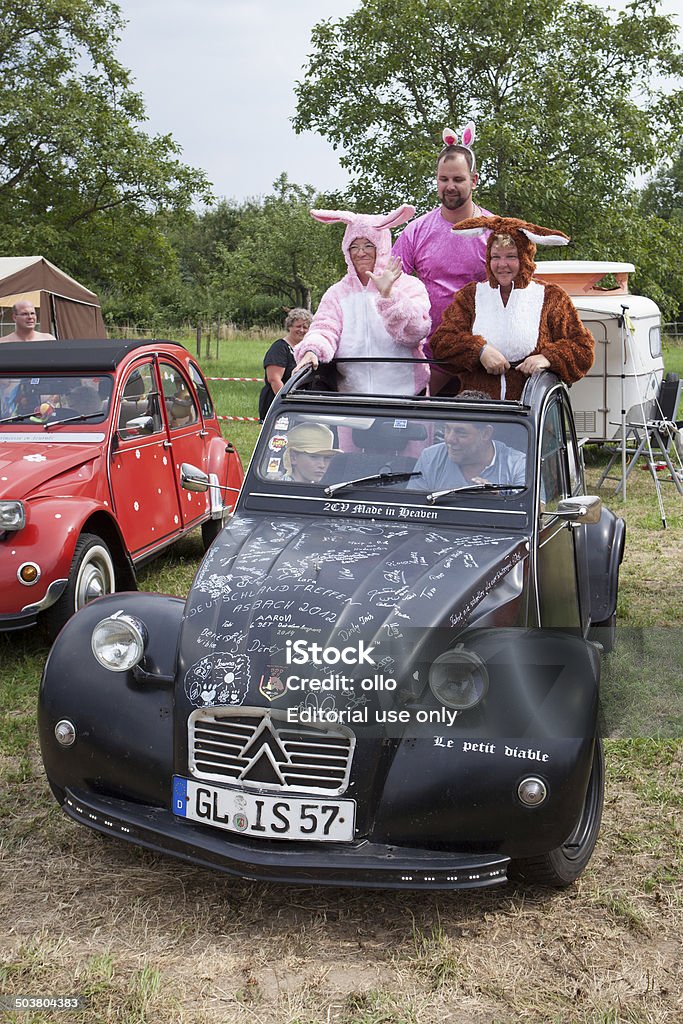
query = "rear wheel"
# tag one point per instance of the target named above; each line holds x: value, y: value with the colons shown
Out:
x: 92, y: 575
x: 563, y: 865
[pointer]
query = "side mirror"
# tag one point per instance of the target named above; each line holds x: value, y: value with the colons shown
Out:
x: 192, y: 478
x: 139, y: 426
x: 579, y: 510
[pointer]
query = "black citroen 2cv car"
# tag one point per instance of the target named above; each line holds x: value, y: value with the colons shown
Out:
x: 387, y: 670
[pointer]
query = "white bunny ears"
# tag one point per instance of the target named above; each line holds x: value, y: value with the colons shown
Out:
x: 450, y: 138
x: 511, y: 225
x: 399, y: 216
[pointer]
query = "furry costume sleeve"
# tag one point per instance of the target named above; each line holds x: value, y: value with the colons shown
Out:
x: 324, y: 333
x: 563, y: 339
x: 405, y: 312
x: 453, y: 340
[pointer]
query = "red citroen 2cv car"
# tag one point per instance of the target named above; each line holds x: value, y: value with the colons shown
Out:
x: 92, y: 437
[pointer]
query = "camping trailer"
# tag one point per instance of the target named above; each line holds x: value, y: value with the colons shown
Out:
x: 635, y: 362
x: 64, y: 307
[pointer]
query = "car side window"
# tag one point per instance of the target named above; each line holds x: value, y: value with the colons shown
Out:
x: 140, y: 411
x: 205, y: 402
x: 573, y: 456
x: 553, y: 479
x: 181, y: 408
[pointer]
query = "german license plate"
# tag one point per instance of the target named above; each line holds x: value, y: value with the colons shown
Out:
x: 262, y: 816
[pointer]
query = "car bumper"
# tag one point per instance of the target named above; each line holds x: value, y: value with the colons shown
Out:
x: 28, y: 615
x: 369, y: 865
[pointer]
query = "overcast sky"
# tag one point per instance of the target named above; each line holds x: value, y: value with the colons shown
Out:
x: 219, y: 76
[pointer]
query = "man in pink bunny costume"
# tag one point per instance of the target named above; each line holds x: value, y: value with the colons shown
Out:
x: 374, y: 312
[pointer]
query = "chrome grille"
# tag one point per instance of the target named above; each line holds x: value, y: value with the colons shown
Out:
x: 257, y: 748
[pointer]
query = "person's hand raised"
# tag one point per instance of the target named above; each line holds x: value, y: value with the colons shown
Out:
x: 390, y: 274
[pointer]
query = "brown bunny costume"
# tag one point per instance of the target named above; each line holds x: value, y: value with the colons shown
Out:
x: 537, y: 318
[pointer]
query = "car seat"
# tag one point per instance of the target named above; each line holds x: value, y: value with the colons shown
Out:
x: 381, y: 448
x: 134, y: 401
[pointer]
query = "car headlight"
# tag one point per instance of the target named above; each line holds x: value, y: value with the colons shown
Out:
x: 459, y: 679
x: 118, y: 642
x: 12, y: 515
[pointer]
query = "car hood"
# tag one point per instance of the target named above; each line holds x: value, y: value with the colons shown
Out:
x: 268, y: 582
x: 25, y: 467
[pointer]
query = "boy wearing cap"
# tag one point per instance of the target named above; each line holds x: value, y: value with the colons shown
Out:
x: 308, y: 453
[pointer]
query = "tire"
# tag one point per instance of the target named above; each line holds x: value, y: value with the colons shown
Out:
x: 563, y: 865
x: 92, y: 575
x: 210, y: 530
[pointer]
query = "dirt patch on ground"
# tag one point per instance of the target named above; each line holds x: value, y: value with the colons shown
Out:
x: 151, y: 939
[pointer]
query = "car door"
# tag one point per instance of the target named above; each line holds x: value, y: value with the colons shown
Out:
x: 144, y: 493
x: 558, y: 583
x: 187, y: 437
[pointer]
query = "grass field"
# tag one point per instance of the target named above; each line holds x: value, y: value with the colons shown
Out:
x: 149, y: 940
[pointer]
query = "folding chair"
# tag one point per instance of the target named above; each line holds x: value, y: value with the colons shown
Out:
x: 650, y: 428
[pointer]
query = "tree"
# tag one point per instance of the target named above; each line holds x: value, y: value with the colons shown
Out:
x: 568, y: 100
x: 663, y: 195
x: 80, y: 181
x: 281, y: 256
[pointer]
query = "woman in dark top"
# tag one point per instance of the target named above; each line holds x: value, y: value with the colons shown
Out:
x: 279, y: 360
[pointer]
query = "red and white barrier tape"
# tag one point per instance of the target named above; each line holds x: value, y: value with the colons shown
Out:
x: 255, y: 380
x: 241, y: 419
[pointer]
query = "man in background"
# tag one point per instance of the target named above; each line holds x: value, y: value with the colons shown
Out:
x: 24, y: 316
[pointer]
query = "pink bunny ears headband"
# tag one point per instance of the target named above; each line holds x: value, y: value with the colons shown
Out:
x: 378, y: 221
x: 464, y: 143
x: 450, y: 138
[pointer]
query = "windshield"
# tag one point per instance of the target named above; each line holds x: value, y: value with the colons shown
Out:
x: 460, y: 452
x: 54, y: 398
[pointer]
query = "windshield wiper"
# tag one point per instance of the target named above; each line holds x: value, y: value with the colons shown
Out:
x: 18, y: 418
x: 470, y: 488
x: 71, y: 419
x: 376, y: 478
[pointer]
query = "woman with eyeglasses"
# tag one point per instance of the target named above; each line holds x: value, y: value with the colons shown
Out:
x: 376, y: 312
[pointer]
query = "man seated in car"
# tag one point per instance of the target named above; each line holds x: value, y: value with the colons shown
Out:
x: 468, y: 456
x: 308, y: 453
x: 85, y: 399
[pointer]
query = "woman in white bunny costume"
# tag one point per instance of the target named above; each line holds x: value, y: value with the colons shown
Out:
x: 375, y: 311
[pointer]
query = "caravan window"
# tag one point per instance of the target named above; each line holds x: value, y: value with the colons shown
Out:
x: 655, y: 341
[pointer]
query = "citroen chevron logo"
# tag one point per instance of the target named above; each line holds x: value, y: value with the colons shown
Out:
x: 265, y: 756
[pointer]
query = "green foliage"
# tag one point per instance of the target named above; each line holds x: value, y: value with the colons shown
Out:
x: 570, y: 100
x: 80, y: 181
x: 281, y: 257
x: 663, y: 196
x: 662, y: 203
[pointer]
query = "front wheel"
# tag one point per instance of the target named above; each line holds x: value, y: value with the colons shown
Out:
x: 92, y: 575
x: 560, y: 867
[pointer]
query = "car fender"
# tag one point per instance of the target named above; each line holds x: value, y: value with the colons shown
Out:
x: 123, y: 724
x: 457, y: 781
x: 224, y: 462
x: 51, y: 534
x: 604, y: 550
